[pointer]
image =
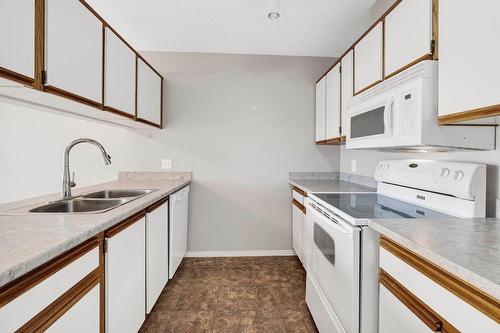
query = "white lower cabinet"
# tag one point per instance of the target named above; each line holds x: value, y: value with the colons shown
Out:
x: 297, y: 222
x: 24, y: 307
x: 394, y: 315
x: 125, y: 278
x: 82, y: 317
x: 156, y: 253
x: 412, y: 301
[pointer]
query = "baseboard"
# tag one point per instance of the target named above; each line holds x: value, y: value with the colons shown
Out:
x: 261, y: 253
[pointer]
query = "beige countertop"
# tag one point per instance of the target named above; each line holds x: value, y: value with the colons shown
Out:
x: 27, y: 240
x: 467, y: 248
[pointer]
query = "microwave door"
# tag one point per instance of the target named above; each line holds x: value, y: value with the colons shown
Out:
x: 372, y: 124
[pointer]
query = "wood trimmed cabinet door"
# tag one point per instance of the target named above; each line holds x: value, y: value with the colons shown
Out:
x: 347, y: 63
x: 298, y: 218
x: 125, y: 276
x: 156, y: 252
x: 149, y: 94
x: 73, y: 51
x: 321, y: 110
x: 119, y: 75
x: 469, y: 54
x: 444, y: 302
x: 82, y: 317
x: 333, y: 103
x: 400, y: 309
x: 51, y: 294
x: 407, y: 35
x: 368, y: 59
x: 17, y: 40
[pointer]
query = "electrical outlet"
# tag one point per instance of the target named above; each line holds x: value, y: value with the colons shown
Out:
x: 353, y: 166
x: 166, y: 163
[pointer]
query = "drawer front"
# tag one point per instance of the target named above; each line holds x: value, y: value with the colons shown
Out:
x: 21, y: 309
x: 394, y: 315
x: 456, y: 311
x: 298, y: 195
x: 82, y: 317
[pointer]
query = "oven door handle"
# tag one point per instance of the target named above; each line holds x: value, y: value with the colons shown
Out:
x: 336, y: 222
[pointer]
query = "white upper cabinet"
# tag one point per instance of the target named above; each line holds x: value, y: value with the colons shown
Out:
x: 347, y: 88
x: 149, y: 92
x: 73, y: 49
x: 17, y: 36
x: 469, y: 57
x: 408, y: 34
x: 119, y: 74
x: 368, y: 59
x: 333, y: 103
x: 321, y: 109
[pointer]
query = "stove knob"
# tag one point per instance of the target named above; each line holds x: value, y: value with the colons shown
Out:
x: 445, y: 172
x: 459, y: 175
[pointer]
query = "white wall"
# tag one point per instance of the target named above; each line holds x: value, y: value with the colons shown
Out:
x: 240, y: 156
x: 32, y: 144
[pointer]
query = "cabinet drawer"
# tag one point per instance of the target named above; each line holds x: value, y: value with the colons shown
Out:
x: 298, y: 195
x: 459, y: 313
x: 393, y: 315
x: 23, y: 300
x: 82, y: 317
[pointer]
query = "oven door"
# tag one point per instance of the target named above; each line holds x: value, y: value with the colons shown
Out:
x: 371, y: 123
x: 335, y: 264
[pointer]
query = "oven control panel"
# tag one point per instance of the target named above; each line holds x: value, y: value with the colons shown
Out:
x: 453, y: 178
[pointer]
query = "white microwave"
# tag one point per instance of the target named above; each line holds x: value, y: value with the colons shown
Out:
x: 401, y: 114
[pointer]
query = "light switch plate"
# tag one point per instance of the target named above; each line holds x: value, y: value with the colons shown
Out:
x: 166, y: 163
x: 353, y: 166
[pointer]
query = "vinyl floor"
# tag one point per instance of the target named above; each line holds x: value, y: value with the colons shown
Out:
x: 233, y: 294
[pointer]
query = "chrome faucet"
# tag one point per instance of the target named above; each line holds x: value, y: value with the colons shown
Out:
x: 67, y: 182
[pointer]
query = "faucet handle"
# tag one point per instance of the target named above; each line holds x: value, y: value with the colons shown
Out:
x: 72, y: 182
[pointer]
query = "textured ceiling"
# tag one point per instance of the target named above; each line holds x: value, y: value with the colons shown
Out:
x: 306, y: 27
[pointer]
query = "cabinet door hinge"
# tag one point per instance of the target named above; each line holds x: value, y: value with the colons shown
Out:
x: 340, y: 129
x: 433, y: 46
x: 105, y: 245
x: 44, y: 77
x: 340, y: 69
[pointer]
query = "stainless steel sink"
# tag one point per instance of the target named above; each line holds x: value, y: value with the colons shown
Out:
x: 113, y: 194
x: 78, y: 205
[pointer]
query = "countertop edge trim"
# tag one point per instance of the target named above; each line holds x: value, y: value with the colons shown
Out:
x: 470, y: 294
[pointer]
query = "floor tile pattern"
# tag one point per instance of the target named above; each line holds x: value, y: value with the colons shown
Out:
x: 233, y: 294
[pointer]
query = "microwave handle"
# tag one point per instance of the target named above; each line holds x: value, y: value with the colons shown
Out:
x: 389, y: 115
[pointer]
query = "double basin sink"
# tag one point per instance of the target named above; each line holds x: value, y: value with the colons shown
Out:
x: 96, y: 202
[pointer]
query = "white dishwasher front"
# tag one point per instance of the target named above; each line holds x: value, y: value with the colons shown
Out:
x: 178, y: 229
